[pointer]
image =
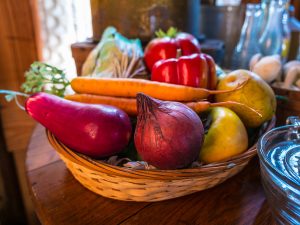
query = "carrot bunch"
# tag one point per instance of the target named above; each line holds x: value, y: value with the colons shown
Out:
x: 121, y: 92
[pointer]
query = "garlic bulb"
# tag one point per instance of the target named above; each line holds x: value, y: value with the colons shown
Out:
x: 268, y: 67
x: 291, y: 74
x: 254, y: 60
x: 298, y: 83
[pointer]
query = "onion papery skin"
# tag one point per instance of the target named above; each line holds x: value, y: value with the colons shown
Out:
x: 168, y: 135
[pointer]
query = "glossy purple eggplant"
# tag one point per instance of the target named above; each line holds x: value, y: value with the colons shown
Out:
x: 94, y: 130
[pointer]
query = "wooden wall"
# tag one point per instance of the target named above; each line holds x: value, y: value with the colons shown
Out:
x: 19, y: 46
x: 296, y: 4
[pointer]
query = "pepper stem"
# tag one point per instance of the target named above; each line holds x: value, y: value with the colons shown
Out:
x: 171, y: 33
x: 178, y: 53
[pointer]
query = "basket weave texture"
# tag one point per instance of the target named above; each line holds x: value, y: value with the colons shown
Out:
x: 149, y: 185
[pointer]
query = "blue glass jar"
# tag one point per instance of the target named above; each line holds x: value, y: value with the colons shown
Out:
x: 271, y: 39
x: 286, y: 32
x: 279, y: 154
x: 247, y: 45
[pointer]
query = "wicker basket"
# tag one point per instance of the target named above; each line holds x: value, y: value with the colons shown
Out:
x: 149, y: 185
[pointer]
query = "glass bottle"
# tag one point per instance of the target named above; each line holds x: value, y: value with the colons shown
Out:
x: 294, y: 25
x: 270, y: 41
x: 286, y: 32
x: 265, y: 5
x: 247, y: 45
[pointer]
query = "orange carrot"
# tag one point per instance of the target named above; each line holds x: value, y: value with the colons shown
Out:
x: 129, y: 104
x: 126, y: 87
x: 126, y: 104
x: 199, y: 106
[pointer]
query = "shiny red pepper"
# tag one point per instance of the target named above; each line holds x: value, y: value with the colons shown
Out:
x: 166, y: 46
x: 196, y: 70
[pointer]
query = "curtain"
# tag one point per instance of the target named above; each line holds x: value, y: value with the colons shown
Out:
x: 63, y: 22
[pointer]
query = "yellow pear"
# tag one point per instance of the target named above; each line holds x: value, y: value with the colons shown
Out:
x: 226, y: 136
x: 256, y: 94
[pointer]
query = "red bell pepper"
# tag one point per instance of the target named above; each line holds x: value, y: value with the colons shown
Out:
x: 166, y: 45
x: 196, y: 70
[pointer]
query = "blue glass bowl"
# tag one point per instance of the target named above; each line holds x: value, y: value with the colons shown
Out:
x: 279, y: 154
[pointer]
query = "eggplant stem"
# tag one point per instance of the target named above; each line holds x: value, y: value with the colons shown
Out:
x: 19, y: 104
x: 14, y: 95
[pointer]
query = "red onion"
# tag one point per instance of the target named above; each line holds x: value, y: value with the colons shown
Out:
x: 168, y: 135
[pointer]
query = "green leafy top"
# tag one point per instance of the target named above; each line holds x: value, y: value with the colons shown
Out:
x: 46, y: 78
x: 171, y: 33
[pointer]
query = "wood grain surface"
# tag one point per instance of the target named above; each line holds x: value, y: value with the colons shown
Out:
x: 20, y: 45
x: 59, y: 199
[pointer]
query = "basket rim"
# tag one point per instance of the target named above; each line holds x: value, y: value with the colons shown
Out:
x: 205, y: 170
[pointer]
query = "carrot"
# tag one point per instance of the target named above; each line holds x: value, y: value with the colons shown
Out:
x: 126, y: 104
x: 126, y: 87
x: 239, y: 108
x: 199, y: 106
x: 129, y: 104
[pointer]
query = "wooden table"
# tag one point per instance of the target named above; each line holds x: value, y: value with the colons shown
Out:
x: 60, y: 199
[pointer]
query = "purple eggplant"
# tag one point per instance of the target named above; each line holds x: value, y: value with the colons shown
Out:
x: 91, y: 129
